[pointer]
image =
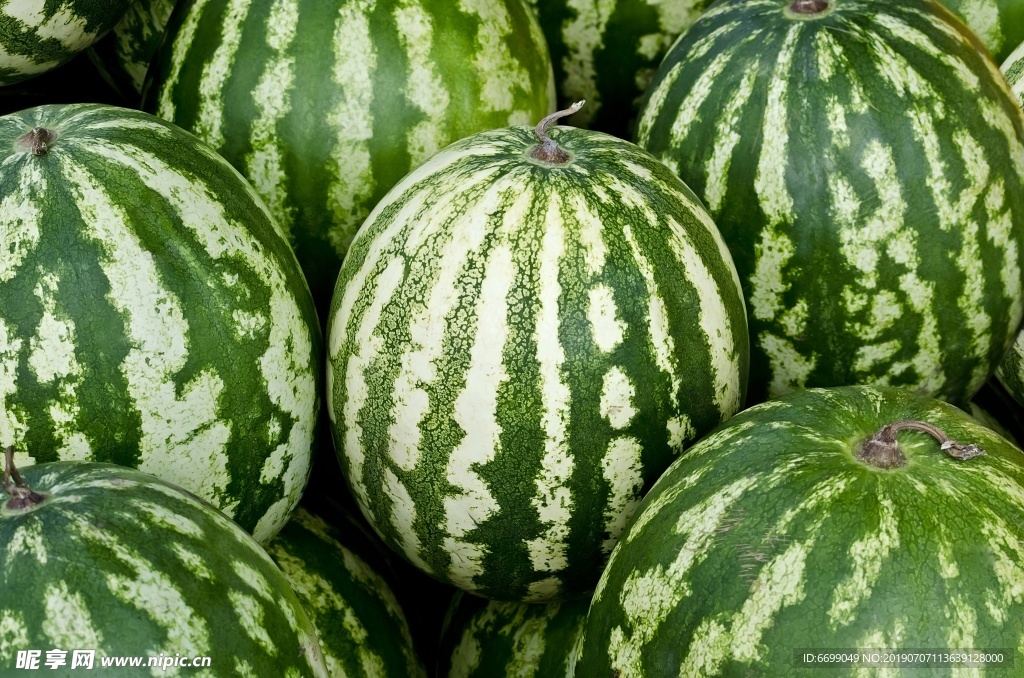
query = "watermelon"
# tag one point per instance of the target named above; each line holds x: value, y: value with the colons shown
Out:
x: 424, y: 601
x: 125, y: 53
x: 361, y: 628
x: 865, y: 163
x: 151, y: 314
x: 38, y: 36
x: 998, y: 23
x: 512, y: 639
x: 607, y: 53
x: 106, y: 558
x: 324, y: 106
x: 1011, y: 370
x: 525, y: 333
x: 824, y: 521
x: 1013, y: 69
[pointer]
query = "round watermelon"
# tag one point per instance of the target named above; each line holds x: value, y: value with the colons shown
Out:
x: 151, y: 314
x: 607, y: 53
x: 865, y: 163
x: 523, y: 336
x: 998, y: 23
x: 105, y: 558
x: 490, y: 639
x: 855, y: 520
x: 360, y: 625
x: 125, y: 54
x: 324, y: 106
x: 37, y: 36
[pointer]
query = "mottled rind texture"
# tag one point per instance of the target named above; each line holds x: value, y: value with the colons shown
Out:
x: 512, y: 639
x: 516, y: 351
x: 125, y: 54
x: 324, y: 106
x: 118, y: 561
x: 998, y: 23
x: 769, y: 536
x: 151, y: 315
x: 866, y: 167
x: 38, y: 36
x: 1013, y: 69
x: 362, y: 630
x: 1011, y: 370
x: 606, y: 52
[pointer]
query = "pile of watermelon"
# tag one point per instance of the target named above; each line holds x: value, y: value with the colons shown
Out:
x: 546, y: 338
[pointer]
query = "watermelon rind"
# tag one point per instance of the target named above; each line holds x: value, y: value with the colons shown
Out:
x: 770, y: 539
x: 151, y: 313
x: 121, y: 563
x: 516, y: 349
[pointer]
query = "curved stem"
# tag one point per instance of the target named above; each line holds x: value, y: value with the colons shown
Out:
x: 883, y: 450
x: 548, y: 151
x: 15, y: 487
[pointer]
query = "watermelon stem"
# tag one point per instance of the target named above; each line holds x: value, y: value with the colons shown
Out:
x: 883, y: 451
x: 809, y: 6
x: 548, y: 151
x: 38, y: 140
x: 15, y: 486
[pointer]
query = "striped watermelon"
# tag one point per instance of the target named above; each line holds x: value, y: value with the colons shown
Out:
x: 866, y: 166
x: 150, y: 313
x: 361, y: 628
x: 607, y: 52
x: 771, y: 535
x: 999, y: 23
x: 512, y: 639
x: 1013, y: 69
x: 519, y: 346
x: 125, y: 54
x: 117, y: 561
x: 36, y: 36
x: 324, y: 106
x: 1011, y: 370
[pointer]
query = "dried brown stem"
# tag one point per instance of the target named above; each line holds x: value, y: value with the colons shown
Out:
x: 15, y: 487
x: 883, y: 451
x: 548, y: 151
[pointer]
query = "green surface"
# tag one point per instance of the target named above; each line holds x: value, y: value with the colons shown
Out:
x: 116, y: 561
x: 38, y: 36
x: 866, y: 167
x: 124, y: 54
x: 324, y: 106
x: 151, y: 315
x: 769, y: 536
x: 512, y: 639
x: 362, y: 630
x: 517, y: 350
x: 998, y: 23
x: 607, y: 53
